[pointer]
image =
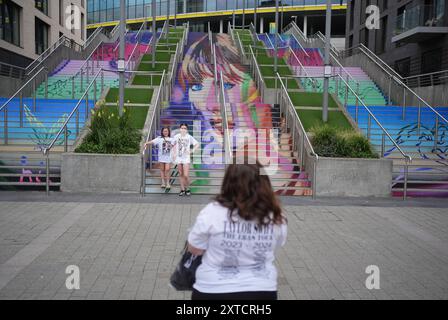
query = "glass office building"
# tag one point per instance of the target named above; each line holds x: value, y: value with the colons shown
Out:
x: 100, y: 11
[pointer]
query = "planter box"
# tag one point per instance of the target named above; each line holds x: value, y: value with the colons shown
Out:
x: 101, y: 173
x: 349, y: 177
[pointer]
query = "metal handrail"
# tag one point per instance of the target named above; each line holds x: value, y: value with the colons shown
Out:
x: 362, y: 48
x: 215, y: 70
x: 299, y: 31
x: 47, y: 149
x: 13, y: 70
x: 257, y: 73
x: 376, y: 120
x: 270, y: 41
x: 426, y: 79
x: 313, y: 81
x: 425, y: 74
x: 345, y: 70
x: 240, y: 45
x: 114, y: 30
x: 291, y: 106
x: 92, y: 37
x: 53, y: 48
x: 37, y: 60
x: 22, y: 87
x: 300, y: 45
x: 118, y: 41
x: 292, y: 111
x: 173, y: 67
x: 379, y: 61
x: 253, y: 32
x: 229, y: 27
x: 151, y: 123
x: 226, y: 136
x: 323, y: 39
x: 87, y: 59
x: 152, y: 127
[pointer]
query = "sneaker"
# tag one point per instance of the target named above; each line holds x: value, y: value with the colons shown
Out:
x: 188, y: 192
x: 181, y: 193
x: 168, y: 187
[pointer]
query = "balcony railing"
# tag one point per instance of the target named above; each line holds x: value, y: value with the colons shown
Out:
x: 421, y: 16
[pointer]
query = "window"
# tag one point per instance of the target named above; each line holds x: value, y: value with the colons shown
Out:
x: 82, y: 26
x: 352, y: 13
x: 61, y: 12
x: 381, y: 36
x: 431, y: 60
x: 72, y: 14
x: 10, y: 22
x: 42, y: 5
x: 403, y: 66
x: 41, y: 36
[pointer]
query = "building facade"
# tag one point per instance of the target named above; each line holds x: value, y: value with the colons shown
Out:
x: 29, y: 27
x: 412, y: 35
x: 307, y: 13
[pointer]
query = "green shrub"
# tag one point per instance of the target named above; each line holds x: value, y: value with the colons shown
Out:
x: 329, y: 141
x: 109, y: 133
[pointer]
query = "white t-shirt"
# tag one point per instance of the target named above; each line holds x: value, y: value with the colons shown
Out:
x: 239, y: 256
x: 165, y: 145
x: 183, y: 144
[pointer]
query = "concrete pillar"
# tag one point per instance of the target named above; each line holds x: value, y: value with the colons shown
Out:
x: 261, y: 25
x: 221, y: 26
x: 305, y: 24
x: 185, y: 6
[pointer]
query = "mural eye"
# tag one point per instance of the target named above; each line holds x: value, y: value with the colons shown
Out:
x: 228, y: 85
x: 196, y: 87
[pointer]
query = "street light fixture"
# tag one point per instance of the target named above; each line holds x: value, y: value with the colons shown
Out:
x: 327, y: 66
x: 275, y: 37
x: 121, y: 63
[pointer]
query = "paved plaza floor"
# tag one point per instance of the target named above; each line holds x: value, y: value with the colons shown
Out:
x: 127, y: 246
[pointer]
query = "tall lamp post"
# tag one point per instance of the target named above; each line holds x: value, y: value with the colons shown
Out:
x: 121, y: 63
x: 275, y: 38
x: 154, y: 34
x: 327, y: 67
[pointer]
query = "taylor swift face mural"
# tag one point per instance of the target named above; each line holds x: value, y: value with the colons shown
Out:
x: 195, y: 90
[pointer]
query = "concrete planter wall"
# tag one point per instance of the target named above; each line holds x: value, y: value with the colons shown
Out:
x: 84, y: 172
x: 348, y: 177
x: 102, y: 173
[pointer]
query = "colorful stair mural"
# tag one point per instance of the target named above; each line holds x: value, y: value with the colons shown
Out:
x: 194, y: 99
x: 429, y: 151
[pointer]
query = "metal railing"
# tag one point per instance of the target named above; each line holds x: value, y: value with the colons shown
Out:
x: 11, y: 71
x: 240, y: 48
x: 255, y: 70
x: 92, y: 37
x: 293, y: 56
x: 227, y: 142
x: 20, y: 92
x: 387, y: 78
x: 85, y: 68
x: 427, y: 79
x: 300, y: 140
x: 64, y: 127
x: 294, y: 26
x: 253, y: 33
x: 322, y: 38
x: 114, y: 31
x: 215, y: 71
x: 33, y: 65
x: 229, y: 27
x: 152, y: 132
x: 300, y: 45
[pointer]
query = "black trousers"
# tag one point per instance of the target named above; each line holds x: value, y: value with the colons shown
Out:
x: 245, y: 295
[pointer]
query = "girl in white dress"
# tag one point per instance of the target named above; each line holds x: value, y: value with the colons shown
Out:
x: 165, y: 144
x: 182, y: 153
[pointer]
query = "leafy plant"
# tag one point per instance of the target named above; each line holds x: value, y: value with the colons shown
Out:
x: 111, y: 134
x: 329, y: 141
